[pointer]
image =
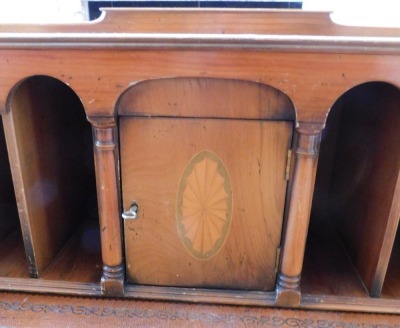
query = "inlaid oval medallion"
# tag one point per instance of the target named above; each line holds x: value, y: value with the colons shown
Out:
x: 204, y: 205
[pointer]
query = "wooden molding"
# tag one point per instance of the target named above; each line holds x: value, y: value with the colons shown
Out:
x: 288, y: 291
x: 102, y: 122
x: 206, y: 28
x: 112, y: 280
x: 306, y: 151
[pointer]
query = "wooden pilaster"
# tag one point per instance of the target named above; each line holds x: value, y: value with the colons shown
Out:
x: 106, y: 155
x: 306, y: 152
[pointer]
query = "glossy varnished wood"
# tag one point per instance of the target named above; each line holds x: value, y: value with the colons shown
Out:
x: 391, y: 287
x: 185, y: 97
x: 327, y: 267
x: 80, y: 259
x: 209, y: 21
x: 229, y: 65
x: 204, y: 21
x: 298, y: 214
x: 364, y: 195
x: 107, y: 178
x: 206, y: 98
x: 99, y: 77
x: 154, y: 155
x: 52, y: 185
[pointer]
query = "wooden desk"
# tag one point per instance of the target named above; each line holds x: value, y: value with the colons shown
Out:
x: 217, y: 135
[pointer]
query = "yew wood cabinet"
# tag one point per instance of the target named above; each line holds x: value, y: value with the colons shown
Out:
x: 240, y: 156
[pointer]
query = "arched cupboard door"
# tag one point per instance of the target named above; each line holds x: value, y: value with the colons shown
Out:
x: 203, y: 171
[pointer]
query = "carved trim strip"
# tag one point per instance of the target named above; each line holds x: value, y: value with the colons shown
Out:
x: 183, y: 316
x: 287, y: 282
x: 308, y: 146
x: 113, y: 272
x: 309, y: 139
x: 108, y: 145
x: 302, y: 43
x: 104, y: 138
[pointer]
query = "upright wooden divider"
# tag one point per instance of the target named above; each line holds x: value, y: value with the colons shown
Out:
x: 48, y: 138
x: 391, y: 286
x: 12, y: 256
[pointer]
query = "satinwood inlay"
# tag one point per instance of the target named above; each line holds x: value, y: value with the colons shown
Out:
x: 204, y: 205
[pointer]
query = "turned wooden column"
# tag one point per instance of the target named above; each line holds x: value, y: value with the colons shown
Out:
x: 306, y: 152
x: 106, y: 159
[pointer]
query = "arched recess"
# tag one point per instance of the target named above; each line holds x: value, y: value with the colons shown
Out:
x: 236, y: 135
x: 50, y: 146
x: 356, y: 205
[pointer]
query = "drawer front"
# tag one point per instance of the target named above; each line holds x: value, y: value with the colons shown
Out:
x: 210, y: 196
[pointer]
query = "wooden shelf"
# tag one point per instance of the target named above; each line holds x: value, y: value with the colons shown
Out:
x: 391, y: 287
x: 13, y: 262
x: 328, y: 269
x: 80, y: 259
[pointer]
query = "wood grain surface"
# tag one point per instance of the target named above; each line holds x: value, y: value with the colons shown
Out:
x: 207, y: 20
x: 240, y: 82
x: 53, y: 175
x: 154, y: 155
x: 206, y: 97
x: 80, y: 258
x: 313, y: 82
x: 364, y: 195
x: 391, y: 286
x: 108, y: 193
x: 327, y: 267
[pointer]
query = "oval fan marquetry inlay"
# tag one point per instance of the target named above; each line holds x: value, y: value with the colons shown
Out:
x: 204, y: 205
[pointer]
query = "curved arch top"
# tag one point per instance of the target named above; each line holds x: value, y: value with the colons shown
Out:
x: 378, y: 87
x: 206, y: 97
x: 45, y: 82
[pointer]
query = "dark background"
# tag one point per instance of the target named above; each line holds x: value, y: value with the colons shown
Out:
x: 94, y: 5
